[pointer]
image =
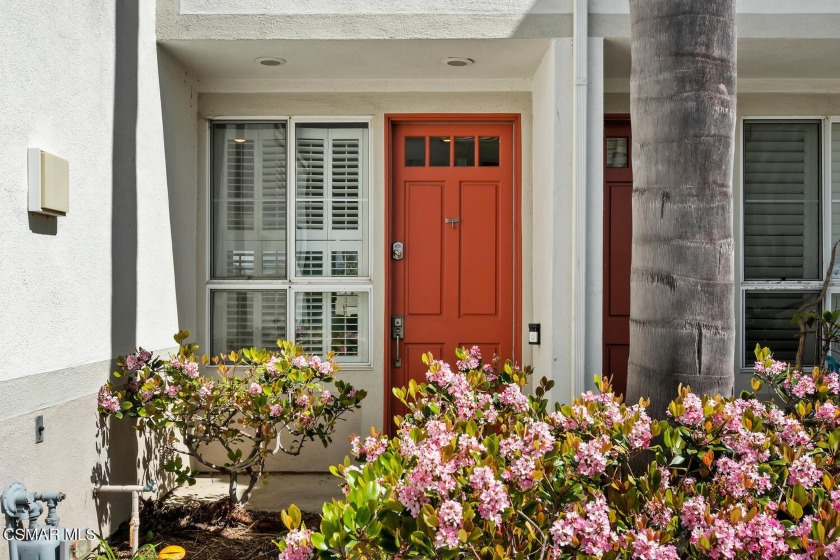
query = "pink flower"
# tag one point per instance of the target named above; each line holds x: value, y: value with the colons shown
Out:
x: 833, y: 381
x: 298, y: 545
x: 191, y: 369
x: 132, y: 363
x: 372, y: 448
x: 835, y: 499
x: 513, y: 397
x: 254, y: 389
x: 172, y: 390
x: 803, y: 385
x: 300, y: 362
x: 589, y: 529
x: 472, y: 361
x: 740, y: 479
x: 492, y: 496
x: 271, y: 366
x: 325, y: 368
x: 590, y: 456
x: 326, y: 397
x: 640, y: 434
x: 693, y: 415
x: 647, y: 547
x: 450, y: 517
x: 829, y: 414
x: 805, y: 472
x: 205, y: 390
x: 302, y: 400
x: 108, y: 401
x: 275, y: 410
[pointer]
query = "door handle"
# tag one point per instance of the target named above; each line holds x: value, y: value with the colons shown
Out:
x: 397, y: 251
x: 397, y: 332
x: 452, y: 221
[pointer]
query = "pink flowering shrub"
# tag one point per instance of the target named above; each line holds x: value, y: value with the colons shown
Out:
x: 256, y: 403
x: 479, y: 469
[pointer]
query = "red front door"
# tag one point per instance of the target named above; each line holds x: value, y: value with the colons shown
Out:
x: 618, y: 233
x: 452, y: 208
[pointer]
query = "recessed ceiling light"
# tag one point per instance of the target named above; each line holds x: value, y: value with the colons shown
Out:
x: 458, y: 61
x: 271, y: 61
x: 239, y: 140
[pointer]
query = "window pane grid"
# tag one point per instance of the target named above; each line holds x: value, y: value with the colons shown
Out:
x: 249, y: 289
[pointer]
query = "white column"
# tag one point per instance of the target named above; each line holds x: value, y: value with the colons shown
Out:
x: 580, y: 149
x: 553, y: 218
x: 594, y: 295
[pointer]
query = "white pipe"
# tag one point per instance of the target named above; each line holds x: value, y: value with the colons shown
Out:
x: 134, y: 522
x: 580, y: 39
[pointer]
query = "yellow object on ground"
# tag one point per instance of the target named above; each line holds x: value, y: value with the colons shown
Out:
x: 172, y: 553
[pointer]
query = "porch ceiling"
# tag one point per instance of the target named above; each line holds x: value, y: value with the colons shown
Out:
x: 495, y: 59
x: 806, y: 59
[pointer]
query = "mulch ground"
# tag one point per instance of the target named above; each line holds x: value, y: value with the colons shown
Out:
x: 208, y: 530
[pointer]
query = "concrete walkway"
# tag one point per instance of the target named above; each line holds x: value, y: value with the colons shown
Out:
x: 307, y: 491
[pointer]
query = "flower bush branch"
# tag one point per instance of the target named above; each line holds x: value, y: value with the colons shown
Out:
x: 478, y: 469
x: 259, y: 403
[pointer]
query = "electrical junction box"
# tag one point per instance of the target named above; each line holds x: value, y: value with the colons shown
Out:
x: 49, y: 183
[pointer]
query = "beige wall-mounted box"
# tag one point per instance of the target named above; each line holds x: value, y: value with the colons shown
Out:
x: 49, y: 183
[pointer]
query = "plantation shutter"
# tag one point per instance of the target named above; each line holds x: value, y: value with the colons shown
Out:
x: 768, y: 323
x: 331, y: 201
x: 245, y: 319
x: 835, y: 194
x: 333, y: 322
x: 781, y: 201
x: 309, y: 322
x: 249, y: 219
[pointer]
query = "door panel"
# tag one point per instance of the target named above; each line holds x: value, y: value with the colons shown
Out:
x: 424, y: 248
x: 618, y: 234
x: 479, y: 249
x: 455, y: 284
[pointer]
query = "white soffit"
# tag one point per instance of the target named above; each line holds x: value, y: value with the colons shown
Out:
x: 274, y: 7
x: 766, y: 59
x: 495, y: 59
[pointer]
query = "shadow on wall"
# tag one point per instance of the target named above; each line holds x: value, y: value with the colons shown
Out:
x: 180, y: 135
x: 118, y: 446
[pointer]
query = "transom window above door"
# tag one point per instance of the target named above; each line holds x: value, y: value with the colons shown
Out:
x: 452, y: 151
x: 290, y: 263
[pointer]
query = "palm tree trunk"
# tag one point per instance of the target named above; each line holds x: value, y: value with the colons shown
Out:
x: 682, y: 108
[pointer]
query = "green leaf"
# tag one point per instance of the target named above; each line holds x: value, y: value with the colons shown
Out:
x: 795, y: 509
x: 318, y: 541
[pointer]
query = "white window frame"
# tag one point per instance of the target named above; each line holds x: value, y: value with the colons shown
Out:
x: 293, y: 284
x: 825, y: 230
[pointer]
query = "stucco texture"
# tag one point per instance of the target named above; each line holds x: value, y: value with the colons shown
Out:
x: 81, y: 80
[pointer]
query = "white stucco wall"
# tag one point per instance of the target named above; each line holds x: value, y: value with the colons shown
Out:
x: 58, y: 92
x: 551, y: 219
x: 81, y: 80
x: 374, y: 105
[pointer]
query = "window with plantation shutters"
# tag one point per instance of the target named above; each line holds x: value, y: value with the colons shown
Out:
x: 782, y: 201
x: 835, y: 193
x: 783, y: 232
x: 331, y: 201
x: 333, y: 322
x: 249, y: 200
x: 256, y: 293
x: 247, y: 318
